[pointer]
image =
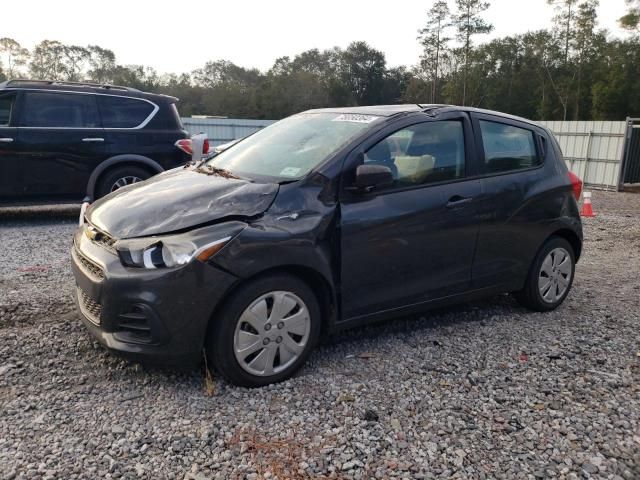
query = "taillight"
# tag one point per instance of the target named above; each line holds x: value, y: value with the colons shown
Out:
x: 576, y: 183
x: 186, y: 146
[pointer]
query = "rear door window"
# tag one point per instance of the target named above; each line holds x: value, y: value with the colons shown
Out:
x: 59, y: 110
x: 507, y: 148
x: 123, y: 112
x: 6, y: 106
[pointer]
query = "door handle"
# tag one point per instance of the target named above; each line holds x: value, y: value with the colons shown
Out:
x: 458, y: 201
x: 93, y: 139
x: 6, y: 140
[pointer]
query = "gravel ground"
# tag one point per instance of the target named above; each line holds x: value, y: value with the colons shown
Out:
x: 484, y: 390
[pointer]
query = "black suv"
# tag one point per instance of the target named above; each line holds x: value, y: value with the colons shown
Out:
x: 71, y: 140
x: 325, y: 220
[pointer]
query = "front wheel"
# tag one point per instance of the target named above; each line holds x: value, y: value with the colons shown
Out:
x: 120, y: 177
x: 265, y: 331
x: 550, y: 277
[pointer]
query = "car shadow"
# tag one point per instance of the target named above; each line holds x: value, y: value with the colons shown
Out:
x: 450, y: 316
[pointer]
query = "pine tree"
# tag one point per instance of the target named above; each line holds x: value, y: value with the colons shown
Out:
x: 468, y: 23
x: 435, y: 43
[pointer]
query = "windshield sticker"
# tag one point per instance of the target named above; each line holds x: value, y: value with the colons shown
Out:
x: 355, y: 118
x: 290, y: 172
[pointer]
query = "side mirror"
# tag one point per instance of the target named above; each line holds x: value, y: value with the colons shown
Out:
x: 369, y: 177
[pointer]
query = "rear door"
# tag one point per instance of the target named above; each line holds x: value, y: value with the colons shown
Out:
x: 61, y: 142
x: 512, y: 178
x: 8, y: 144
x: 412, y: 242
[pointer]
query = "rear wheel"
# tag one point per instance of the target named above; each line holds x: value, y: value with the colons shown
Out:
x: 120, y: 177
x: 265, y: 331
x: 550, y: 277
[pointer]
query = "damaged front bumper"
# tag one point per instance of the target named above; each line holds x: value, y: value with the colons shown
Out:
x: 156, y: 315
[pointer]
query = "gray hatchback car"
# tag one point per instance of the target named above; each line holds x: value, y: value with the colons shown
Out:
x: 326, y: 220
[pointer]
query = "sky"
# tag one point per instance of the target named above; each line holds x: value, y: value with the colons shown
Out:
x: 253, y: 33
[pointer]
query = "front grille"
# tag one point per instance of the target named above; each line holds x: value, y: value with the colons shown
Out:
x: 92, y: 268
x: 89, y: 307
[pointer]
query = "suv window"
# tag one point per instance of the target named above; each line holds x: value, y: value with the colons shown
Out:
x: 507, y: 147
x: 6, y: 104
x: 61, y: 110
x: 425, y: 153
x: 121, y: 112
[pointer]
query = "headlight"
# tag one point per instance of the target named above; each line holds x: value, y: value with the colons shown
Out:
x: 176, y: 250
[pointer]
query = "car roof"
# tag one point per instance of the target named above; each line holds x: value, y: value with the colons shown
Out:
x: 80, y: 87
x: 376, y: 110
x: 391, y: 110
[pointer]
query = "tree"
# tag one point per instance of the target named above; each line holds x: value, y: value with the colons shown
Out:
x: 12, y: 56
x: 74, y: 62
x: 631, y: 21
x: 362, y: 69
x: 468, y: 23
x: 102, y: 64
x: 583, y: 43
x: 434, y: 42
x: 564, y: 19
x: 47, y: 61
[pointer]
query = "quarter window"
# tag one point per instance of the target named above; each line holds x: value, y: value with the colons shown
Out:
x: 507, y: 147
x: 421, y: 154
x: 121, y: 112
x: 6, y: 105
x: 60, y: 110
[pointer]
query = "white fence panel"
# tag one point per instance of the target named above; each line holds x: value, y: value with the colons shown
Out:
x: 223, y: 130
x: 592, y: 150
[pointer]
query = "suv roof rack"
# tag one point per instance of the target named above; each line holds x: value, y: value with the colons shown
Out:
x: 27, y: 82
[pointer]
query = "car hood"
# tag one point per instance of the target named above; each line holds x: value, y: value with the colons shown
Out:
x: 178, y: 199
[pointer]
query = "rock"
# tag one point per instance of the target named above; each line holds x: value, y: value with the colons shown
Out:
x: 590, y: 468
x: 6, y: 368
x: 370, y: 415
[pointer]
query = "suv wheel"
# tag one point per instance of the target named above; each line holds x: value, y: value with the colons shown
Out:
x: 550, y: 277
x: 265, y: 332
x: 120, y: 177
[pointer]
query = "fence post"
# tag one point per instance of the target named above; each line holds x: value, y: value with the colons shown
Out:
x: 586, y: 160
x: 624, y: 161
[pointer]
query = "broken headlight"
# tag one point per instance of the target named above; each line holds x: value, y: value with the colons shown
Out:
x: 176, y: 250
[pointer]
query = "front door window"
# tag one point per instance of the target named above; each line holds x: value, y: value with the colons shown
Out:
x: 425, y: 153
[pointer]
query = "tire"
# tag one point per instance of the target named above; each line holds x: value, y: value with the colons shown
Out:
x: 276, y: 320
x: 542, y: 296
x: 114, y: 178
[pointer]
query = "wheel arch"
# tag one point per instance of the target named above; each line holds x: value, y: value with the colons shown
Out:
x: 119, y: 161
x: 571, y: 237
x: 320, y: 286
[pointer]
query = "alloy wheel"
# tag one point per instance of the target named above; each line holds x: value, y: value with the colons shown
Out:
x: 124, y: 181
x: 272, y: 333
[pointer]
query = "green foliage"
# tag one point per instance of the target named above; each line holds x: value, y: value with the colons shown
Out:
x: 631, y: 21
x: 435, y: 44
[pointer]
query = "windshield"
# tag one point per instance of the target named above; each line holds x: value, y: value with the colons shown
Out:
x: 291, y: 148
